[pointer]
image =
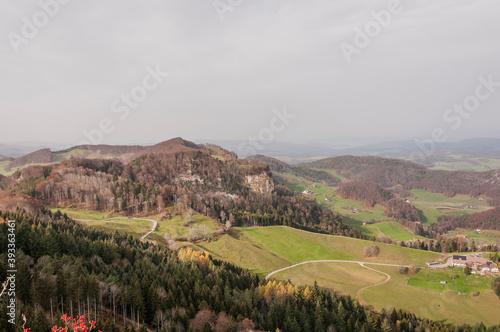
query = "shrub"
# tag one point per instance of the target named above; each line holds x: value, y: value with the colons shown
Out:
x: 403, y: 270
x: 414, y: 269
x: 372, y: 251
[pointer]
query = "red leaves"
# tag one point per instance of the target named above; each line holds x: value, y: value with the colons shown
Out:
x: 75, y: 324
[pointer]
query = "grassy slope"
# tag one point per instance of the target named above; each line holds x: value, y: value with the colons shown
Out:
x: 422, y: 294
x: 335, y: 202
x: 124, y: 225
x: 430, y: 279
x: 84, y: 214
x: 393, y: 229
x: 266, y: 249
x: 432, y: 304
x: 175, y: 226
x: 138, y: 228
x: 486, y: 237
x: 433, y: 205
x: 342, y: 277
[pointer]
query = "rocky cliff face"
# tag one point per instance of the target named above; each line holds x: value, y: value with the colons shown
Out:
x: 260, y: 183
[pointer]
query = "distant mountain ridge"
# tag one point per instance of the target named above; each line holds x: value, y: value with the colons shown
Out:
x: 4, y: 158
x: 18, y: 150
x: 292, y: 153
x: 124, y: 153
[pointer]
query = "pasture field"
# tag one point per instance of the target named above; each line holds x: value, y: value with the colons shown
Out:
x: 177, y: 227
x: 84, y: 214
x: 405, y: 291
x: 445, y: 306
x: 428, y: 215
x: 427, y: 196
x: 430, y: 205
x: 483, y: 237
x: 392, y: 229
x: 295, y: 183
x: 123, y: 225
x: 456, y: 281
x: 264, y: 249
x: 134, y: 227
x: 345, y: 278
x: 368, y: 229
x: 344, y: 206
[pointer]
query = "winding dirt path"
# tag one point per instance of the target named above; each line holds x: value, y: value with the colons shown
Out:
x: 333, y: 261
x: 363, y: 264
x: 153, y: 227
x: 358, y: 294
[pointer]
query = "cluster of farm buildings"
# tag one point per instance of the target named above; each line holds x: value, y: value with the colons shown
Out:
x: 476, y: 263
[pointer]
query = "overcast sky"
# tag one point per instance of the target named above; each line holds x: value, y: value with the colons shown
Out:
x: 231, y: 64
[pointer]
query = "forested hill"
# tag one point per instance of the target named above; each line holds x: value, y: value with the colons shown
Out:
x: 124, y: 153
x: 279, y: 167
x: 207, y: 179
x: 483, y: 220
x: 66, y: 268
x: 390, y: 172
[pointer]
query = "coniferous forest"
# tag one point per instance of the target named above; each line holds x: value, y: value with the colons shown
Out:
x: 120, y: 282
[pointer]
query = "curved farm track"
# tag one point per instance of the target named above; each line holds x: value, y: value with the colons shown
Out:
x: 358, y: 294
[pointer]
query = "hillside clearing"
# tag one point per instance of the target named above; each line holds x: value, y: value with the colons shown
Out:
x: 265, y: 249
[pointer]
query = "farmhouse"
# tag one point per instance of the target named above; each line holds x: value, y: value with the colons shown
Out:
x: 462, y: 261
x: 461, y: 236
x: 308, y: 192
x: 476, y: 263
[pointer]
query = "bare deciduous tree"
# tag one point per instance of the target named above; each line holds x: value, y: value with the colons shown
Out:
x: 371, y: 251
